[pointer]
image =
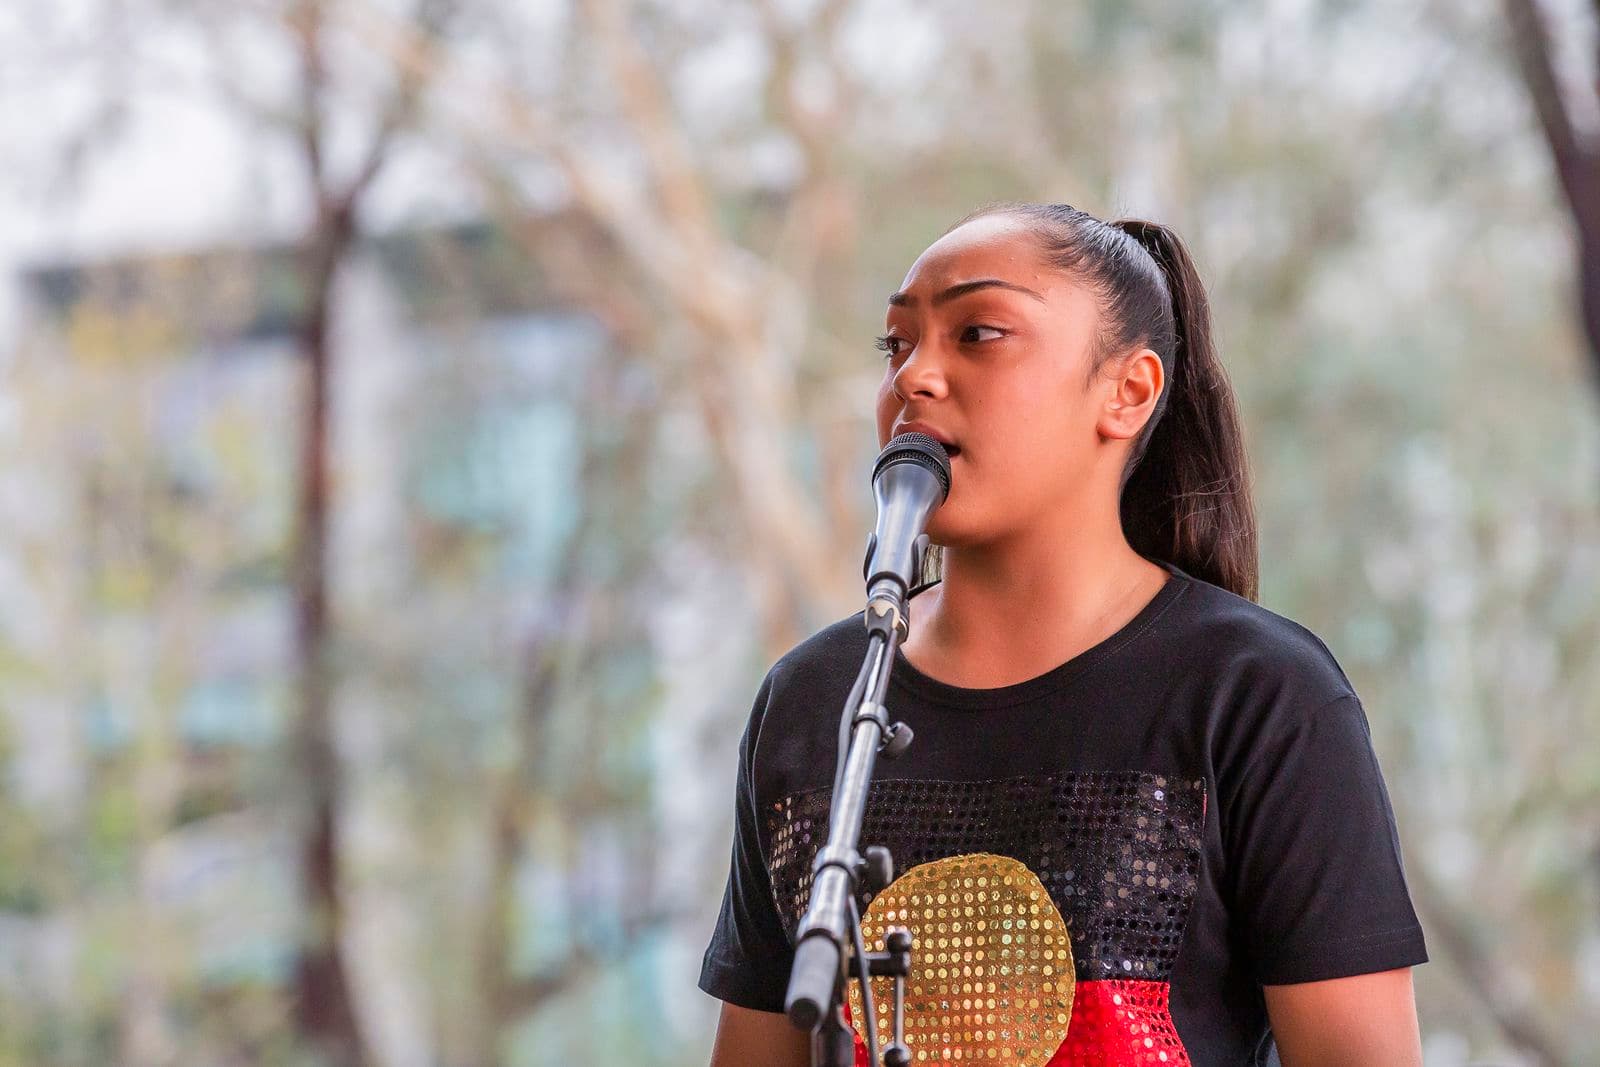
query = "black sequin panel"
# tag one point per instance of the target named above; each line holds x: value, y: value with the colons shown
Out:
x: 1118, y: 851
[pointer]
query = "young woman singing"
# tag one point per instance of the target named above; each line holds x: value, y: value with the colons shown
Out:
x: 1141, y: 822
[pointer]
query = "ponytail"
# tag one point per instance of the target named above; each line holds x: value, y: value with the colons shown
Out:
x: 1185, y: 494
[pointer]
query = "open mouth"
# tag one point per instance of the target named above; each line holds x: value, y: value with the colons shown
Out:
x: 952, y: 451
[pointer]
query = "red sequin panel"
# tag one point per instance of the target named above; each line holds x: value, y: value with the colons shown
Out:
x: 1120, y: 1023
x: 861, y: 1045
x: 1115, y: 1023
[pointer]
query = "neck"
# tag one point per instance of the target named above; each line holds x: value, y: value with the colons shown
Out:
x: 1058, y: 585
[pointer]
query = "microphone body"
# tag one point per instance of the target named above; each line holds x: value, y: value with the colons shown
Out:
x: 910, y: 480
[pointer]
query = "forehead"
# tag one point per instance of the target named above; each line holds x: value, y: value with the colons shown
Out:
x: 998, y: 246
x: 1003, y: 247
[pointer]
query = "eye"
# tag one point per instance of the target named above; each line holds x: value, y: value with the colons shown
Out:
x: 889, y: 344
x: 967, y: 330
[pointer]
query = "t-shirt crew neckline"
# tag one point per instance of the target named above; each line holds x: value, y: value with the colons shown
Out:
x: 931, y: 689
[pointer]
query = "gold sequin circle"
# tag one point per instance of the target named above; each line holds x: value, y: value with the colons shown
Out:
x: 992, y: 974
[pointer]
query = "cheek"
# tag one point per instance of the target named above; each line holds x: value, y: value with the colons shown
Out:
x: 1043, y: 418
x: 1031, y: 445
x: 1025, y: 425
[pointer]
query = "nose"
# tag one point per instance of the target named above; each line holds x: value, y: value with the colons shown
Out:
x: 920, y: 374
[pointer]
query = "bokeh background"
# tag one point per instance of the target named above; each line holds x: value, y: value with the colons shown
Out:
x: 423, y: 423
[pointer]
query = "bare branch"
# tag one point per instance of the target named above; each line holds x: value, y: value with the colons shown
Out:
x: 304, y: 22
x: 1575, y: 161
x: 428, y: 19
x: 646, y: 102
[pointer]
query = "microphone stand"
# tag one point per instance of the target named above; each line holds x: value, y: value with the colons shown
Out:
x: 829, y: 941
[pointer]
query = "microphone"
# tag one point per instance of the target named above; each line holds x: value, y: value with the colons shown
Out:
x: 910, y: 481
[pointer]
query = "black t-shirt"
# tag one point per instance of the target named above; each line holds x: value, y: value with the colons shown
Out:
x: 1197, y: 793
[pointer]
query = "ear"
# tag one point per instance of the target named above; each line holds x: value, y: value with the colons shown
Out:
x: 1133, y: 396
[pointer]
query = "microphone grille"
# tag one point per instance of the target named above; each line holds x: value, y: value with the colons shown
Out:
x: 913, y: 447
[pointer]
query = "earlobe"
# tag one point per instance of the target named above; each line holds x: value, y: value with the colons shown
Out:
x: 1122, y: 421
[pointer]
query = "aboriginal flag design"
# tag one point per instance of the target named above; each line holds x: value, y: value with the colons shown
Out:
x: 1118, y: 853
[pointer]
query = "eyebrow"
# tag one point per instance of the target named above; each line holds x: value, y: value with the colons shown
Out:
x: 962, y: 289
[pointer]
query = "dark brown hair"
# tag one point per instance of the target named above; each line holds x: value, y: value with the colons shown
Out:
x: 1186, y: 489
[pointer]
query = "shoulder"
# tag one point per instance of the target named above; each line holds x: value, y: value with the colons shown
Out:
x: 1276, y: 702
x: 818, y: 661
x: 793, y: 726
x: 1248, y: 648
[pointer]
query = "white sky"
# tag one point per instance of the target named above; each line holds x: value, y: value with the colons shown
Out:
x: 186, y: 171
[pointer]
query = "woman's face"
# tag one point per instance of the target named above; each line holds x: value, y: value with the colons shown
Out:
x: 989, y: 345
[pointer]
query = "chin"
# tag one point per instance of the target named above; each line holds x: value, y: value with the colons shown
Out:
x: 947, y: 530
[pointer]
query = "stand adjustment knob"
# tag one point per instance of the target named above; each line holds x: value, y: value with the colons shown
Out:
x: 878, y: 868
x: 898, y: 741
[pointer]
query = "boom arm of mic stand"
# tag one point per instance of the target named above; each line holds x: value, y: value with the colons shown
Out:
x: 818, y: 976
x: 822, y: 935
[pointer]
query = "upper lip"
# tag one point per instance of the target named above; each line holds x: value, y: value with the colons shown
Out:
x: 922, y: 427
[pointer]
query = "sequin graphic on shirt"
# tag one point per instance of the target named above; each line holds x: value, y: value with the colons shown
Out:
x: 1118, y: 852
x: 991, y: 974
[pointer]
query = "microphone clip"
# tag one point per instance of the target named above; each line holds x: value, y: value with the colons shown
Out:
x: 917, y: 555
x: 886, y: 599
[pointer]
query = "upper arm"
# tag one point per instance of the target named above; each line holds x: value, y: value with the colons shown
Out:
x: 1321, y: 893
x: 1364, y: 1020
x: 1316, y: 878
x: 746, y: 1036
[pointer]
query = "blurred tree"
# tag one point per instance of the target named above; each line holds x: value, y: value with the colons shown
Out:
x: 323, y: 996
x: 734, y: 272
x: 1574, y: 148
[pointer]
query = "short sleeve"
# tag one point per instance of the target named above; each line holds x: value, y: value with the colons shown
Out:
x: 1318, y: 881
x: 749, y: 957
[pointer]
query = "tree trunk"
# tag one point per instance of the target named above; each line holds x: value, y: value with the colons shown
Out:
x: 1574, y: 155
x: 322, y: 988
